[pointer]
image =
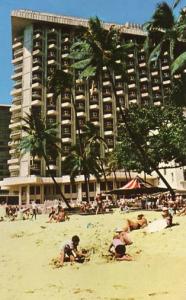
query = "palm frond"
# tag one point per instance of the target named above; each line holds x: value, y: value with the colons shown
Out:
x: 179, y: 63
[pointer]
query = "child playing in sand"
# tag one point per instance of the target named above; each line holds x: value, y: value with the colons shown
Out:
x: 118, y: 245
x: 69, y: 251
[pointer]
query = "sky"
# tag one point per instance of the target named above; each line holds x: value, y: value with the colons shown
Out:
x: 118, y: 11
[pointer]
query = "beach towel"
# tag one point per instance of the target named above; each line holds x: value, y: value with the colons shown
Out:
x: 157, y: 225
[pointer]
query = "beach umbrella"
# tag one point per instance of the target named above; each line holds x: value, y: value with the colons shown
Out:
x: 137, y: 186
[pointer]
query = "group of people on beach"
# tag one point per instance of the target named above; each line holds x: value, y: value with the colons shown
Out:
x: 121, y: 239
x: 15, y: 212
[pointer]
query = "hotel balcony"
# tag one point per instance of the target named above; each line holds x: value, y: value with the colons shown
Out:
x: 65, y: 55
x: 80, y: 97
x: 17, y: 44
x: 66, y: 140
x: 36, y: 86
x: 37, y: 46
x: 132, y: 86
x: 107, y: 99
x: 165, y: 82
x: 15, y: 135
x: 18, y: 68
x: 142, y: 65
x: 106, y: 83
x: 16, y: 92
x: 81, y: 114
x: 96, y: 123
x: 36, y: 78
x: 36, y: 95
x: 165, y: 68
x: 52, y: 112
x: 108, y: 133
x: 16, y: 123
x: 17, y: 53
x: 13, y: 144
x: 108, y: 116
x: 13, y: 161
x: 36, y: 103
x: 156, y: 73
x: 14, y: 167
x: 15, y: 107
x: 37, y: 36
x: 155, y: 88
x: 66, y: 105
x: 121, y: 92
x: 17, y: 60
x: 144, y: 95
x: 37, y: 62
x: 133, y: 101
x: 118, y: 77
x: 37, y: 53
x: 12, y: 151
x: 16, y: 76
x: 17, y: 84
x: 37, y: 69
x: 143, y: 79
x: 94, y: 106
x: 131, y: 70
x: 66, y: 122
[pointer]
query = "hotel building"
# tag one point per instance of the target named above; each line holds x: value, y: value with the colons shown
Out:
x: 40, y: 45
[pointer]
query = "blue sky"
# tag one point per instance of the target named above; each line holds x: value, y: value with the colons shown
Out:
x: 119, y: 11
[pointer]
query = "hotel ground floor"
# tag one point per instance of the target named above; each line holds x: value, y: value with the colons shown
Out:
x: 40, y: 189
x: 24, y: 190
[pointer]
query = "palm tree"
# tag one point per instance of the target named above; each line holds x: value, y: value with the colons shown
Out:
x: 165, y: 32
x: 84, y: 161
x: 104, y: 48
x: 41, y: 140
x: 176, y: 2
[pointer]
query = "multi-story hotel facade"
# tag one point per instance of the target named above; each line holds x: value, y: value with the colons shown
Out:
x: 41, y: 43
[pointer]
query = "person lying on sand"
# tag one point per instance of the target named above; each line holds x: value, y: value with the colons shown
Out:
x: 70, y: 252
x: 141, y: 222
x: 60, y: 217
x: 118, y: 245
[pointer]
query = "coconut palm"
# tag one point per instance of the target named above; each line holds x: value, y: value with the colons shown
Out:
x: 85, y: 161
x: 41, y: 140
x: 166, y: 32
x: 104, y: 48
x: 176, y: 2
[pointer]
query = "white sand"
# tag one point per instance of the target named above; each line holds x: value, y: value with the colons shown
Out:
x: 26, y: 250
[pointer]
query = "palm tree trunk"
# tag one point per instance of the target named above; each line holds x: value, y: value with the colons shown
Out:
x: 104, y: 174
x: 86, y: 187
x: 115, y: 179
x: 139, y: 148
x: 58, y: 189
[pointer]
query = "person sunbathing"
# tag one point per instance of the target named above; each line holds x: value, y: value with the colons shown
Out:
x: 141, y: 222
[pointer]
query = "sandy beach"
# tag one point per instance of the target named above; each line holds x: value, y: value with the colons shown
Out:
x: 28, y: 247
